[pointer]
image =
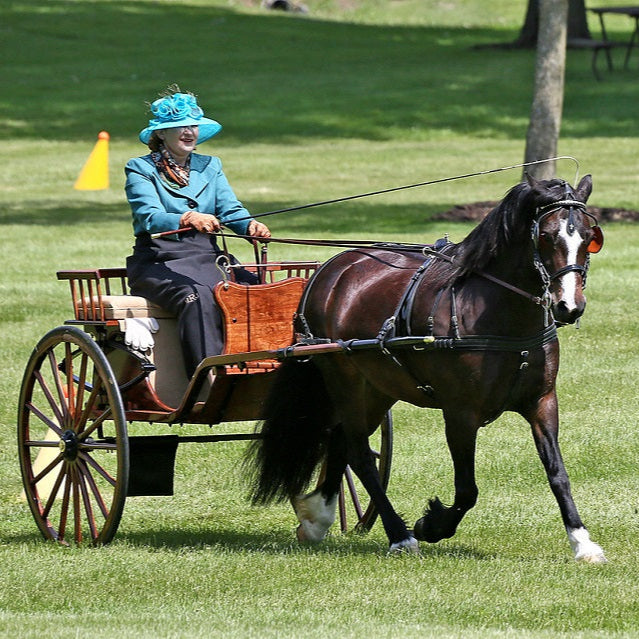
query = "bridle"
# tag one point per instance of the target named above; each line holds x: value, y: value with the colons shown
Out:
x: 594, y: 246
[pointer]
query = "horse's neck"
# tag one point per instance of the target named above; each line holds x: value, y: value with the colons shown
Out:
x: 507, y: 296
x: 481, y: 306
x: 517, y: 268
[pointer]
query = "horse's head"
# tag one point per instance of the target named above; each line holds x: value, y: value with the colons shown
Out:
x: 564, y: 234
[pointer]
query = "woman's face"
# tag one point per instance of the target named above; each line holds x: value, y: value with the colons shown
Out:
x: 180, y: 141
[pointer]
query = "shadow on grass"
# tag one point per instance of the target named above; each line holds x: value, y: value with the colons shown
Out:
x: 50, y: 214
x: 274, y: 543
x: 278, y: 542
x: 219, y: 534
x: 77, y: 67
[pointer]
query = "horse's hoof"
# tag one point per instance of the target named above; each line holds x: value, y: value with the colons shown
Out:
x: 425, y: 532
x: 593, y: 555
x: 309, y: 532
x: 592, y: 559
x: 406, y: 546
x: 586, y: 550
x: 300, y: 534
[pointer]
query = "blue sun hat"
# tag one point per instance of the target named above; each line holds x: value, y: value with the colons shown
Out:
x: 179, y: 109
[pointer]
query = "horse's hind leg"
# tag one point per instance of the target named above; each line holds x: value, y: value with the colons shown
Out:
x: 544, y: 421
x: 362, y: 462
x: 439, y: 521
x: 316, y: 511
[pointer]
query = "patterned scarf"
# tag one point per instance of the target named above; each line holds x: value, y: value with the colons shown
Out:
x: 169, y: 169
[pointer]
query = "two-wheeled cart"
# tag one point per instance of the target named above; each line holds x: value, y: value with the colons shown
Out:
x: 85, y: 391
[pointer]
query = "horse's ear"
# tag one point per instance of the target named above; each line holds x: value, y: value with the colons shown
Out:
x: 532, y: 182
x: 585, y: 188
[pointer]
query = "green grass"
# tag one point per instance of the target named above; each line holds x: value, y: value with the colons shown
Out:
x: 353, y: 97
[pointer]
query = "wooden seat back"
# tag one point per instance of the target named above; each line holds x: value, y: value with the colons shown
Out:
x: 260, y: 316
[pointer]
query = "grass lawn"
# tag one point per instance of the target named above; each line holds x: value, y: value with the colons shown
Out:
x: 349, y: 98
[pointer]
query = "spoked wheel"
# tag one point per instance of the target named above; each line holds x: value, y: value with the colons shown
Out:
x: 72, y: 439
x: 356, y: 510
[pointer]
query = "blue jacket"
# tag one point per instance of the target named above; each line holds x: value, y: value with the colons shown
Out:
x: 157, y: 207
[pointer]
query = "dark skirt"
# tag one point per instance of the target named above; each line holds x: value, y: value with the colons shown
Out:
x: 180, y: 276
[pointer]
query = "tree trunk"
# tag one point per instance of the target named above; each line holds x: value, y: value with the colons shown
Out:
x: 548, y: 97
x: 577, y: 23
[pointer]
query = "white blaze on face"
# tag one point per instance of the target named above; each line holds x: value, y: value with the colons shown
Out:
x: 569, y: 280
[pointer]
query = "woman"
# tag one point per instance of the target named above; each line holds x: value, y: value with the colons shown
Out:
x: 175, y: 188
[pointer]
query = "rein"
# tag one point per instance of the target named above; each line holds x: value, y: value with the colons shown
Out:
x: 387, y: 336
x: 290, y: 209
x: 542, y: 212
x: 536, y: 299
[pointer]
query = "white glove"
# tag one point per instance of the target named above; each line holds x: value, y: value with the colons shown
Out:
x: 138, y: 332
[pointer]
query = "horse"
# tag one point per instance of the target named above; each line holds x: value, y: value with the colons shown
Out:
x: 468, y: 328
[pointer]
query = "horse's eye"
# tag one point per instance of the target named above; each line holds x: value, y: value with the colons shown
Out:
x: 545, y: 238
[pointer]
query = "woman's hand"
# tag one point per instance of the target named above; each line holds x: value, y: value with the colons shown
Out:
x: 257, y: 229
x: 202, y: 222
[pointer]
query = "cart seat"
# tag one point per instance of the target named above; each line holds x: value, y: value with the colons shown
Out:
x: 119, y: 307
x: 260, y: 318
x: 101, y: 295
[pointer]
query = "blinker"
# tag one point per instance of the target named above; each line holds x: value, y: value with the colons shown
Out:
x: 596, y: 243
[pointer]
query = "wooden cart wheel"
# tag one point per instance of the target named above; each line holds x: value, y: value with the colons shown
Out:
x: 353, y: 513
x: 72, y: 439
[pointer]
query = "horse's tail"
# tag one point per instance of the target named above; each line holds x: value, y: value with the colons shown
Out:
x: 295, y: 430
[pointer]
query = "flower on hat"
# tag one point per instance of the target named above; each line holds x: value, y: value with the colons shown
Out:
x: 176, y: 107
x: 179, y: 109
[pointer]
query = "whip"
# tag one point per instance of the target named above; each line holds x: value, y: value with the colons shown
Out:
x: 382, y: 191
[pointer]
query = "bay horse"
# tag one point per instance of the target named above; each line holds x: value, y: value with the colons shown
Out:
x: 467, y: 328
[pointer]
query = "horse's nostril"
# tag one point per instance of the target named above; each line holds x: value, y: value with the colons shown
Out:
x: 566, y: 315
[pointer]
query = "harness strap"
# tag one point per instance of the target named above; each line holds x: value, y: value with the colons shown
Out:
x: 401, y: 317
x: 567, y: 269
x: 454, y: 322
x: 541, y: 301
x: 494, y: 343
x: 430, y: 322
x: 404, y: 310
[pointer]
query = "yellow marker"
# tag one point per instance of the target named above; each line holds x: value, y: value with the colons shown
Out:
x: 95, y: 173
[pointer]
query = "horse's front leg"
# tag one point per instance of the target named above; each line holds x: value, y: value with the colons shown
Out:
x: 544, y: 421
x: 439, y: 521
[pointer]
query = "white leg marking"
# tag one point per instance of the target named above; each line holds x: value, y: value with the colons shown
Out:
x: 410, y: 546
x: 569, y: 280
x: 315, y: 515
x: 585, y: 550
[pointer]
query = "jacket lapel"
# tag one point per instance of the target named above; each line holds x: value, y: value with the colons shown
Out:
x: 199, y: 177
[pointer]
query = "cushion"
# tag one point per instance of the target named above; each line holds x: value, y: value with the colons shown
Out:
x: 121, y: 307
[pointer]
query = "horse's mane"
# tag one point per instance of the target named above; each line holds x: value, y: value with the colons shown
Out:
x: 508, y: 222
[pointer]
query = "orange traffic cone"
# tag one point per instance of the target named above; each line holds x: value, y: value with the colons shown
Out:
x: 95, y: 173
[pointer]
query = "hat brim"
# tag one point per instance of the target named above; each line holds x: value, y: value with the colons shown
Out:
x: 207, y: 128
